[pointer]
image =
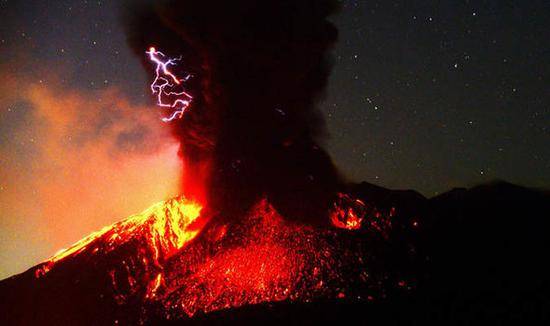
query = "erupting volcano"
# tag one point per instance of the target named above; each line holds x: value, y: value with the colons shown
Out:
x: 265, y: 222
x: 170, y: 262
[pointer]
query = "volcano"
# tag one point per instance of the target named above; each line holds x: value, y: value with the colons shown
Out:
x: 267, y: 229
x: 464, y: 256
x: 170, y: 262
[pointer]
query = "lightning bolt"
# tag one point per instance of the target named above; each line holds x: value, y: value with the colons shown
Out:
x: 167, y: 87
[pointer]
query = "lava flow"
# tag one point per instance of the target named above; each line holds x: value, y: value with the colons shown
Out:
x: 171, y: 257
x: 263, y: 258
x: 166, y: 227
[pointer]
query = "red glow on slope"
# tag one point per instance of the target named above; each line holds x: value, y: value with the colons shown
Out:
x: 263, y: 258
x: 258, y: 258
x: 353, y: 214
x: 348, y: 213
x: 154, y: 286
x: 166, y: 226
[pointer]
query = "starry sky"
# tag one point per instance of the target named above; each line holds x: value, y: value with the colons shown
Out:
x: 426, y: 95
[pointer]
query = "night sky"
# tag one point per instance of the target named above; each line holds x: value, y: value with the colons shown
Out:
x: 426, y: 95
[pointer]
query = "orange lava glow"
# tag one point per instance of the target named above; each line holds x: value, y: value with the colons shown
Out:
x: 348, y: 213
x: 151, y: 292
x: 166, y: 226
x: 171, y: 257
x: 262, y: 258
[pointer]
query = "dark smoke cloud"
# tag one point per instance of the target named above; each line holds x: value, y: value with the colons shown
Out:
x: 253, y: 129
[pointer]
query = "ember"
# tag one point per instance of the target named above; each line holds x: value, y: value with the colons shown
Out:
x: 348, y: 213
x: 353, y: 214
x: 263, y: 259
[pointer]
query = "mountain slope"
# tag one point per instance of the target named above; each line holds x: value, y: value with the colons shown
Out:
x: 465, y: 256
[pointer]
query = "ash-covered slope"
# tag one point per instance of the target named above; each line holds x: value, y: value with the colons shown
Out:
x: 462, y: 257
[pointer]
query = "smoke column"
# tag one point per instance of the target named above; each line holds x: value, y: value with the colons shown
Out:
x: 253, y: 130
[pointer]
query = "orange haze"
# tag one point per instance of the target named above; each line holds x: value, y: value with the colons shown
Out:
x: 72, y: 162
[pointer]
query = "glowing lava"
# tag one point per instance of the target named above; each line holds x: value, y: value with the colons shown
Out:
x: 167, y: 86
x: 353, y: 214
x: 166, y: 227
x: 348, y: 213
x: 260, y: 258
x: 256, y: 258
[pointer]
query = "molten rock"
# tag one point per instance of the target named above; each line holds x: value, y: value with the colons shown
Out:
x: 169, y: 262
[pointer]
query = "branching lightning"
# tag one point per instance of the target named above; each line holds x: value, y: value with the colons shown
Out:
x: 168, y: 87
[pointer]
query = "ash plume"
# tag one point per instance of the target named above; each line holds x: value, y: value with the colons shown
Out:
x: 259, y: 68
